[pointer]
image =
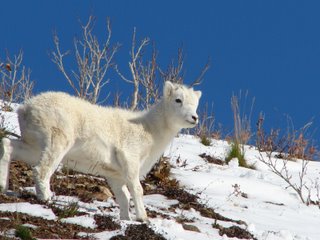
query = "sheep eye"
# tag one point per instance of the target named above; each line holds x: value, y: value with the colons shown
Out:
x: 178, y: 100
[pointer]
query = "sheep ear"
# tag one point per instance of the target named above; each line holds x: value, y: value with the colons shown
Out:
x: 168, y: 89
x: 198, y: 93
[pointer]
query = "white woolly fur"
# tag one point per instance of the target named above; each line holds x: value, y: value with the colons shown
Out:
x: 117, y: 144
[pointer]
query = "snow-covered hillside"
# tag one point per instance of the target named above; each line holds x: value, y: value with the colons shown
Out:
x: 270, y: 210
x: 257, y: 201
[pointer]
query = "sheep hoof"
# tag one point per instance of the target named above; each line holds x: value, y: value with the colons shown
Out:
x: 144, y: 220
x: 45, y: 196
x: 125, y: 218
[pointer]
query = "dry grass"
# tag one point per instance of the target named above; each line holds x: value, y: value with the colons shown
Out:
x: 241, y: 132
x: 205, y: 128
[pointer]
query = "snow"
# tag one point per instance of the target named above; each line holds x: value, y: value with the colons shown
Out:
x: 10, y: 120
x: 271, y: 210
x: 84, y: 221
x: 35, y: 210
x: 31, y: 226
x: 176, y: 231
x: 159, y: 201
x: 102, y: 235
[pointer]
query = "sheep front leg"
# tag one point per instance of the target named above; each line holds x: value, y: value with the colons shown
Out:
x: 122, y: 195
x: 130, y: 164
x: 136, y: 191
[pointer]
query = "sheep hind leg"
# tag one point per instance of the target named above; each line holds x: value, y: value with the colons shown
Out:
x: 5, y: 158
x: 14, y: 149
x: 50, y: 159
x: 122, y: 195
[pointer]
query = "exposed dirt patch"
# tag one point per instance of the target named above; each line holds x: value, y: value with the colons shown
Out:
x: 184, y: 197
x: 158, y: 175
x: 106, y: 223
x: 45, y: 228
x: 30, y: 197
x: 20, y: 175
x: 8, y: 199
x: 68, y: 183
x: 234, y: 231
x: 154, y: 214
x: 85, y: 187
x: 141, y: 232
x: 211, y: 159
x: 88, y: 188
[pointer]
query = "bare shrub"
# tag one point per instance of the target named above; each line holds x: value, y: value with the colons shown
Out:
x: 16, y: 85
x: 275, y: 151
x: 174, y: 72
x: 93, y: 59
x: 294, y: 144
x: 237, y: 192
x: 316, y: 186
x: 148, y: 81
x: 280, y: 168
x: 266, y: 142
x: 143, y: 72
x: 301, y: 146
x: 146, y: 75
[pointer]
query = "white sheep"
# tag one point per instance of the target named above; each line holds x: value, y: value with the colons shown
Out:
x: 117, y: 144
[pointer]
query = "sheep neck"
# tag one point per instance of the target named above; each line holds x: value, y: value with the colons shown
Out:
x: 157, y: 121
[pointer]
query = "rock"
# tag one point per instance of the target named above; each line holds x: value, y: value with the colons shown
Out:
x: 103, y: 194
x: 190, y: 227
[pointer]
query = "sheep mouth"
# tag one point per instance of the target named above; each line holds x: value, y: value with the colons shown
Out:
x: 192, y: 123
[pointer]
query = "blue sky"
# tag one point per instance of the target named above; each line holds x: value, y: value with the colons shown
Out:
x: 270, y: 48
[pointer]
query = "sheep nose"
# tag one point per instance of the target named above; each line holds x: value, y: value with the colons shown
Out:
x: 195, y: 118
